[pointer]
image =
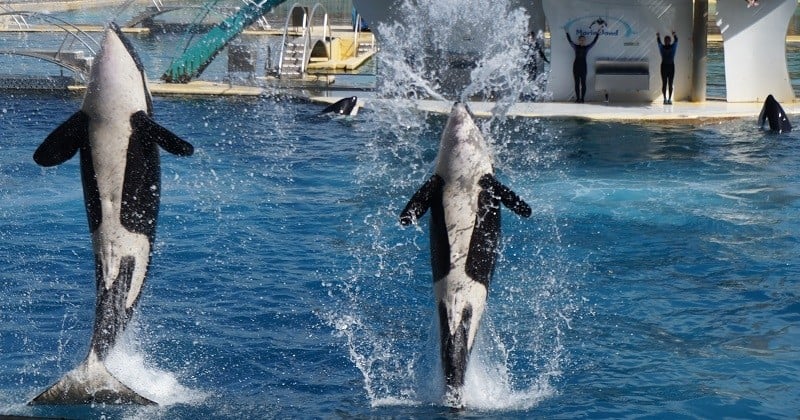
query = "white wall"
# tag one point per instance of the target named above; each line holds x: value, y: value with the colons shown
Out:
x: 629, y: 32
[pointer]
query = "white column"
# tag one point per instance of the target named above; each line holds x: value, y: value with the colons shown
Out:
x: 755, y: 49
x: 699, y: 51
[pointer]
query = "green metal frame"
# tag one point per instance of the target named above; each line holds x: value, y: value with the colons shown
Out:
x: 197, y: 57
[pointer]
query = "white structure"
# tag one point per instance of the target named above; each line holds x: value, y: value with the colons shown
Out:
x: 755, y: 49
x: 627, y: 35
x: 625, y: 62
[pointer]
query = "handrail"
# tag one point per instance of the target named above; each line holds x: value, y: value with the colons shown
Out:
x: 75, y: 70
x: 283, y: 39
x: 325, y: 38
x: 62, y: 24
x: 14, y: 16
x: 307, y: 32
x: 357, y: 33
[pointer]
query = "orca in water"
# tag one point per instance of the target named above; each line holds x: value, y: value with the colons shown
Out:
x: 120, y: 170
x: 464, y: 198
x: 773, y: 113
x: 346, y: 106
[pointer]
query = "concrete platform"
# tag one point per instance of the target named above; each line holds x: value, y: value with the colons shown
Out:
x: 349, y: 64
x: 45, y: 28
x: 54, y: 28
x: 62, y: 5
x: 158, y: 88
x: 203, y: 88
x: 318, y: 81
x: 654, y: 112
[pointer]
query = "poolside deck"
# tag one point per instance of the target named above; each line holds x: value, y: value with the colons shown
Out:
x: 655, y: 112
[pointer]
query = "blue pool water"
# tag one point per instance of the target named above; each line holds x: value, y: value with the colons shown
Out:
x: 658, y: 276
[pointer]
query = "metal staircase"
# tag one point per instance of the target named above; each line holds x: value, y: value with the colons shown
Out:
x: 296, y: 44
x: 362, y: 47
x: 292, y: 64
x: 365, y: 48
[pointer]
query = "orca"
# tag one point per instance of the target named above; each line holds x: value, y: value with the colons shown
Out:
x: 773, y: 113
x: 464, y: 198
x: 120, y: 171
x: 345, y: 106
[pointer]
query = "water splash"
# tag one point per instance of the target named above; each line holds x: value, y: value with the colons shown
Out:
x: 456, y: 50
x: 491, y: 384
x: 385, y: 313
x: 131, y: 365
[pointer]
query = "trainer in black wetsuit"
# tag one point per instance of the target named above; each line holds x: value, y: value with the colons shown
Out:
x: 579, y: 65
x: 535, y: 55
x: 667, y: 50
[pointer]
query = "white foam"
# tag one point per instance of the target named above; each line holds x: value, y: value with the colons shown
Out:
x: 130, y: 365
x: 489, y: 386
x: 395, y: 402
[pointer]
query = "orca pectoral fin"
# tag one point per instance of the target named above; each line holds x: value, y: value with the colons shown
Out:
x: 62, y: 144
x: 147, y: 128
x: 509, y: 198
x: 421, y: 200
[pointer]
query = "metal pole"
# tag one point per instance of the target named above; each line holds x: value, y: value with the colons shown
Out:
x: 699, y: 51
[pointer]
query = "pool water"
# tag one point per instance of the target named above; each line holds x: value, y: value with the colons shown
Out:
x: 657, y: 277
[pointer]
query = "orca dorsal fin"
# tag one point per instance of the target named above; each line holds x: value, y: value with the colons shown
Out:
x: 509, y: 198
x: 421, y: 200
x: 151, y: 130
x: 62, y: 144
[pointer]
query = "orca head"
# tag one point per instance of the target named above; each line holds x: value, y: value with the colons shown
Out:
x: 462, y: 149
x: 773, y: 113
x: 117, y: 77
x: 345, y: 106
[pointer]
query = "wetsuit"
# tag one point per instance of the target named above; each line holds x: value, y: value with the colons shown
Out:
x: 535, y: 58
x: 667, y: 66
x: 579, y: 66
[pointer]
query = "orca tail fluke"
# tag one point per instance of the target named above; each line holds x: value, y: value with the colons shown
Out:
x: 455, y: 354
x: 89, y: 383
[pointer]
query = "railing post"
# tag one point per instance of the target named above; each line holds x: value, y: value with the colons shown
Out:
x: 356, y: 32
x: 283, y: 39
x: 327, y: 38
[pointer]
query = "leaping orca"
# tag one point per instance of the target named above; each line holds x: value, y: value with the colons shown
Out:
x: 120, y: 171
x: 773, y: 113
x: 346, y: 106
x: 464, y: 198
